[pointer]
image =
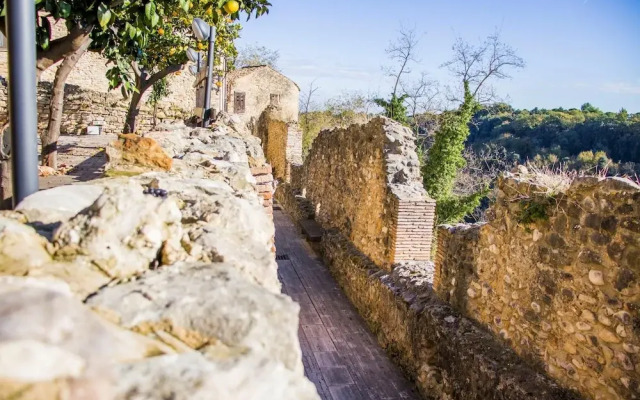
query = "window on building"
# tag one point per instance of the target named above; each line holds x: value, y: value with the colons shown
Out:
x: 275, y: 99
x: 239, y: 102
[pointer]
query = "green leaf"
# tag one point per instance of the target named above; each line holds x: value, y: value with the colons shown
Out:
x: 104, y: 15
x: 150, y: 10
x: 49, y: 6
x: 154, y: 20
x: 64, y: 9
x: 46, y: 25
x: 185, y: 5
x: 131, y: 30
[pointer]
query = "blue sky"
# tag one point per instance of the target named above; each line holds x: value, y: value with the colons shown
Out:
x: 576, y: 51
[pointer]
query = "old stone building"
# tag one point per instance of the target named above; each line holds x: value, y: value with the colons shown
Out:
x: 250, y: 90
x: 266, y: 102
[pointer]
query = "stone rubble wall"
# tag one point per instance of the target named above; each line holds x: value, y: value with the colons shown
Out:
x: 84, y: 107
x: 281, y: 142
x: 447, y: 355
x: 363, y: 185
x: 365, y: 182
x: 110, y: 293
x: 556, y: 276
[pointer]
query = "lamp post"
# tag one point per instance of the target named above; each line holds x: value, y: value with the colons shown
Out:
x: 204, y: 31
x: 21, y: 37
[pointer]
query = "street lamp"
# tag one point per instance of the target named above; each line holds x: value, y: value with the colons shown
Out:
x: 21, y: 37
x: 204, y: 31
x: 195, y: 57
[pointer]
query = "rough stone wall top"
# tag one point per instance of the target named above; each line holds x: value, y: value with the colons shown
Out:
x: 150, y: 285
x: 359, y: 178
x: 555, y: 273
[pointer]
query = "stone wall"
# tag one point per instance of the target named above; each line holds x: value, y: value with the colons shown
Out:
x: 363, y: 186
x: 555, y: 274
x: 84, y: 107
x: 90, y: 74
x: 114, y: 289
x: 281, y: 142
x: 365, y: 181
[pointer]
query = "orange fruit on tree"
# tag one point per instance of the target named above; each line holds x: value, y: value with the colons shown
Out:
x: 231, y: 6
x: 172, y: 51
x: 201, y: 46
x: 161, y: 31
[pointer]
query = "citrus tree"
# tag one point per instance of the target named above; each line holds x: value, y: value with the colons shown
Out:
x: 101, y: 25
x: 83, y: 20
x: 162, y: 51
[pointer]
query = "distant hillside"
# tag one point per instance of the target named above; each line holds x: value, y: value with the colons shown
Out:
x: 582, y: 139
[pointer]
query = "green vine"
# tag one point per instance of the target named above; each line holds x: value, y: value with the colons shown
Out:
x: 534, y: 210
x: 445, y: 160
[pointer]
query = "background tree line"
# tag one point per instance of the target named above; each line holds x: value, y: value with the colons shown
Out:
x: 584, y: 139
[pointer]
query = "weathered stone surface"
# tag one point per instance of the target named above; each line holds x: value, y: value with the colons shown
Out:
x: 191, y: 377
x: 582, y: 275
x: 448, y: 355
x: 207, y: 305
x: 122, y: 232
x: 51, y: 346
x: 21, y: 247
x: 365, y: 181
x: 136, y: 151
x: 58, y: 204
x: 138, y: 259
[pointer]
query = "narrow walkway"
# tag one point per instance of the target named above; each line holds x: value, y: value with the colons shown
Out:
x: 340, y: 355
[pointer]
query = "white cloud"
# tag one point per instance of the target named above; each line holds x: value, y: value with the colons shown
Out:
x: 620, y: 88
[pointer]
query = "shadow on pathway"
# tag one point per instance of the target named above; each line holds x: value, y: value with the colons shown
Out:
x: 340, y: 355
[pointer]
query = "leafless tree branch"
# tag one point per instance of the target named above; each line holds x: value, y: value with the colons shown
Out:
x: 478, y: 64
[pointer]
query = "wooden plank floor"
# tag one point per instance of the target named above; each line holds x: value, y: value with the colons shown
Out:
x: 339, y: 353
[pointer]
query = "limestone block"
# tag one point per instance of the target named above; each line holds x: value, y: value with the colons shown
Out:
x: 121, y: 232
x: 135, y: 151
x: 191, y: 377
x: 58, y: 204
x: 51, y: 346
x: 207, y: 305
x: 20, y: 247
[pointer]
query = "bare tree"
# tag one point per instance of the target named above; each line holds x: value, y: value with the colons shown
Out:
x: 255, y: 55
x: 421, y: 96
x: 402, y: 53
x: 306, y: 98
x: 476, y: 65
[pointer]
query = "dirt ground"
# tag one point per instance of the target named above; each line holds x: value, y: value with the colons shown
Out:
x: 84, y: 157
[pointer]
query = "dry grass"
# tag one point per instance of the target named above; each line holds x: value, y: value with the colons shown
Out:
x: 551, y: 180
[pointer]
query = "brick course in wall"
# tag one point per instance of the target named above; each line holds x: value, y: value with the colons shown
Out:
x: 412, y: 229
x: 264, y: 180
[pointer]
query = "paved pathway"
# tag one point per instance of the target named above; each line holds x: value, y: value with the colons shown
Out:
x: 339, y: 353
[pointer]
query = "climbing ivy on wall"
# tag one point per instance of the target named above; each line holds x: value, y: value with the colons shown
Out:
x: 444, y: 160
